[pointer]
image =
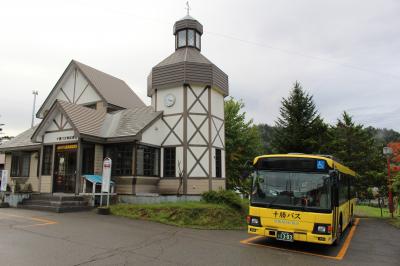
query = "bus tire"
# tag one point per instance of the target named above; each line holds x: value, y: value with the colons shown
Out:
x: 339, y: 232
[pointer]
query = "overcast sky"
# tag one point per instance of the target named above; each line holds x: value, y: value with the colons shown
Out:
x: 345, y: 53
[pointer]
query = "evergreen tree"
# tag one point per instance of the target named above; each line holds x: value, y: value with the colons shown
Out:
x: 299, y: 127
x: 357, y: 148
x: 266, y: 132
x: 242, y: 143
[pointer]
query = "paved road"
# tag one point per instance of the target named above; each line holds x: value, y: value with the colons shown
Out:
x: 39, y: 238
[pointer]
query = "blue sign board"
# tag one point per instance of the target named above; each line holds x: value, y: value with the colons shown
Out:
x: 320, y: 164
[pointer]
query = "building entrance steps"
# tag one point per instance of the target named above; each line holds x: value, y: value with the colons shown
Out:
x: 58, y: 202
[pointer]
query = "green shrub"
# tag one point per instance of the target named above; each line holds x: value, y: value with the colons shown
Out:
x: 227, y: 197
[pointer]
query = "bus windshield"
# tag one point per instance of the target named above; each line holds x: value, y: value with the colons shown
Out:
x: 293, y: 190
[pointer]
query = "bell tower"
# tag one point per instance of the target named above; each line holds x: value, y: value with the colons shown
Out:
x: 190, y: 90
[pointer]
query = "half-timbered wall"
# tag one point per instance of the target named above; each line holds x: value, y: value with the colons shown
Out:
x: 59, y: 123
x: 195, y: 126
x: 74, y: 88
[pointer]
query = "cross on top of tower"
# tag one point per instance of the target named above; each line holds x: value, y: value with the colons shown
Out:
x: 187, y: 7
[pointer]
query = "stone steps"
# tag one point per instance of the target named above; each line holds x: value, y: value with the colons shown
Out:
x: 55, y: 203
x: 56, y: 197
x: 58, y: 209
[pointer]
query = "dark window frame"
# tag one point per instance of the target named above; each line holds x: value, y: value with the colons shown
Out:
x: 17, y: 164
x: 177, y: 36
x: 186, y: 44
x: 169, y: 162
x: 88, y: 154
x: 121, y: 155
x: 218, y: 163
x: 195, y: 40
x: 194, y: 37
x: 47, y: 159
x: 147, y: 163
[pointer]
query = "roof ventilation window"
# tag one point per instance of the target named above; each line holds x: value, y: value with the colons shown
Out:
x: 188, y: 33
x: 188, y: 38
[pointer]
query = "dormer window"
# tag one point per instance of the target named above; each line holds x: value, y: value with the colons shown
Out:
x: 188, y: 38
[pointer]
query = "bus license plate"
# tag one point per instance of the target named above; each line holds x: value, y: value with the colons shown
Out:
x: 284, y: 236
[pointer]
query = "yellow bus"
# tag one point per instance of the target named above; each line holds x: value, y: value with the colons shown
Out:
x: 298, y: 197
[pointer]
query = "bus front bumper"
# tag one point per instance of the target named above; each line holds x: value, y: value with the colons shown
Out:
x: 297, y: 235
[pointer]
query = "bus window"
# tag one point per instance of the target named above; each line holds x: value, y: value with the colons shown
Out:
x: 292, y: 189
x: 352, y: 187
x: 343, y: 188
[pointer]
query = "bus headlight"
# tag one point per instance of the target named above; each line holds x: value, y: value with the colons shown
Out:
x: 323, y: 229
x: 253, y: 220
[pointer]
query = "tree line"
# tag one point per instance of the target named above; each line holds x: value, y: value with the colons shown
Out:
x: 301, y: 129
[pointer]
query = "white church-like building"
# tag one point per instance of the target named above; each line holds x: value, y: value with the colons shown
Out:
x: 176, y: 145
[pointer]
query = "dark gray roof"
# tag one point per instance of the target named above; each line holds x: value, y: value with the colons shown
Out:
x: 129, y: 122
x: 21, y: 142
x: 86, y: 121
x: 93, y: 123
x: 188, y: 22
x: 188, y: 54
x: 112, y: 90
x: 186, y: 65
x: 123, y: 123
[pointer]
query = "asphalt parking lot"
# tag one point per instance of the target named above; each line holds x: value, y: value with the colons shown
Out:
x: 40, y: 238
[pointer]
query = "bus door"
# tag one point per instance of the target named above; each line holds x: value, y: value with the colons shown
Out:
x: 335, y: 203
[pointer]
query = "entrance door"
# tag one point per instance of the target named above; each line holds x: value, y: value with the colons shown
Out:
x: 65, y: 169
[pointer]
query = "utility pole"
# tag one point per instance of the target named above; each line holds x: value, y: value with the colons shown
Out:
x: 388, y: 151
x: 1, y: 132
x: 35, y: 93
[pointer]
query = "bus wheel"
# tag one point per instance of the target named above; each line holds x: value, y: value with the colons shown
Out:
x: 338, y: 233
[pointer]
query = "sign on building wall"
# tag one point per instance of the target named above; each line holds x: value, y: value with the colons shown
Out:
x: 105, y: 186
x: 67, y: 147
x: 4, y: 180
x: 61, y: 136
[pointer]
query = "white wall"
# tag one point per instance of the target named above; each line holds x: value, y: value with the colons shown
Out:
x: 155, y: 134
x: 65, y: 136
x: 177, y: 107
x: 61, y: 121
x: 197, y: 107
x: 75, y: 89
x: 217, y: 104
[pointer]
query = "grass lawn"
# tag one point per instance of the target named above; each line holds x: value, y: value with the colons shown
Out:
x: 373, y: 212
x: 198, y: 215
